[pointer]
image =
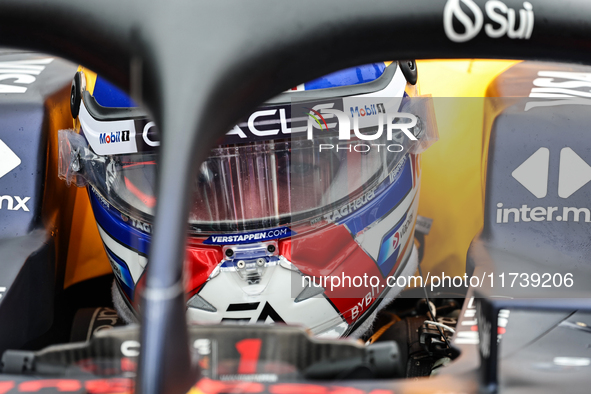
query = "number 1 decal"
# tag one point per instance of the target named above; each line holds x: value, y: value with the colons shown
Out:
x: 249, y: 350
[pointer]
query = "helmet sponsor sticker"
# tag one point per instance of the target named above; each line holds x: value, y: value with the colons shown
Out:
x: 350, y: 208
x: 391, y: 244
x: 113, y: 137
x: 243, y: 238
x: 267, y: 315
x: 108, y: 138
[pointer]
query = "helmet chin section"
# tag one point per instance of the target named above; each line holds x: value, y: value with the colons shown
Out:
x: 256, y: 309
x: 279, y: 295
x: 255, y: 289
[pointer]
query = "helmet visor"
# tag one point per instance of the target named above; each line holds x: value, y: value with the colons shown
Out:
x: 252, y: 186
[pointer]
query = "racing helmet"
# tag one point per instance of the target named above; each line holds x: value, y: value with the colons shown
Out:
x: 317, y: 186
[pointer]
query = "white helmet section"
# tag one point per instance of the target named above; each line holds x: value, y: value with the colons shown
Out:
x: 390, y: 97
x: 108, y: 137
x: 227, y: 298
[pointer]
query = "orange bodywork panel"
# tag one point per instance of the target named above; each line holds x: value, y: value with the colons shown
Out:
x: 452, y: 179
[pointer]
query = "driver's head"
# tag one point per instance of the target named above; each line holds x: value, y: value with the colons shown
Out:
x: 284, y: 204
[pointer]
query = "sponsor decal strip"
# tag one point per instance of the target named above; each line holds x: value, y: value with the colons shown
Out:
x: 243, y: 238
x: 108, y: 138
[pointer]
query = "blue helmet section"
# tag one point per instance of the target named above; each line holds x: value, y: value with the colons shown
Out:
x: 347, y: 77
x: 109, y: 218
x: 122, y: 274
x: 108, y: 95
x: 388, y: 195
